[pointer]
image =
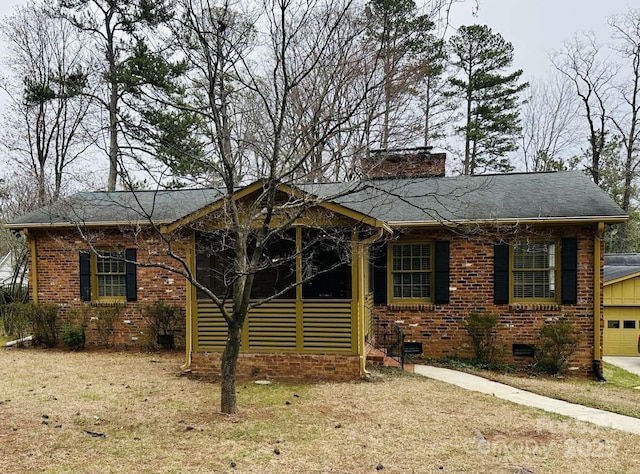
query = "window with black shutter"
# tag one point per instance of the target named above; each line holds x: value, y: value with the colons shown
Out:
x: 108, y: 275
x: 536, y: 270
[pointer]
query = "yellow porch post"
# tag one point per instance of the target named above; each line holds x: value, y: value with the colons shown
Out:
x: 361, y: 290
x: 299, y: 302
x: 191, y: 304
x: 33, y: 264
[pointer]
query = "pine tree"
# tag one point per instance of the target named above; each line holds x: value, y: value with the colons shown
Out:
x: 491, y: 98
x: 122, y: 32
x: 402, y: 41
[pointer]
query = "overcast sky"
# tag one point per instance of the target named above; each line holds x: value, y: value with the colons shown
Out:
x: 537, y: 27
x: 534, y: 27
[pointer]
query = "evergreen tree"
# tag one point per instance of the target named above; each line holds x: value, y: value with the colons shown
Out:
x: 490, y: 97
x: 401, y: 40
x: 438, y: 108
x: 130, y: 59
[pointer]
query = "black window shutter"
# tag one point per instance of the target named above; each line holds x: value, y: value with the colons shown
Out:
x: 501, y: 273
x: 379, y: 274
x: 85, y: 276
x: 132, y: 280
x: 569, y: 260
x: 442, y: 273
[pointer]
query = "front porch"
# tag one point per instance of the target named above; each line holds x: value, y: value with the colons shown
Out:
x: 315, y: 330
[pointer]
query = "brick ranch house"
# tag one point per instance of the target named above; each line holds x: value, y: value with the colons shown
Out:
x: 425, y: 251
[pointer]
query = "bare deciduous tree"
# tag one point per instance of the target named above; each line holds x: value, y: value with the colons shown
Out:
x: 249, y: 75
x: 579, y: 61
x: 549, y: 132
x: 626, y: 117
x: 48, y: 109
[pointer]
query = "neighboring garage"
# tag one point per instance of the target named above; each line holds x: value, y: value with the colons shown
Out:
x: 621, y: 304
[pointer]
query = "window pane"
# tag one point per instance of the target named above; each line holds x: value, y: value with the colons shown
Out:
x: 110, y: 274
x: 534, y: 270
x: 411, y: 271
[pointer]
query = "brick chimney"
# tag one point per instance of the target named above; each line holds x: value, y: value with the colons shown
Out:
x: 404, y: 163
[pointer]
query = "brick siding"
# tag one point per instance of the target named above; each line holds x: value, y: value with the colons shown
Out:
x: 439, y: 327
x: 290, y: 367
x: 59, y: 282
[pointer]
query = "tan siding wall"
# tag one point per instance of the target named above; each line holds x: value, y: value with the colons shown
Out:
x: 623, y: 293
x: 439, y: 327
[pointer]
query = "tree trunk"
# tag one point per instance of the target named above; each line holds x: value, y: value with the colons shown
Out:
x: 229, y: 364
x: 467, y: 166
x: 387, y: 105
x: 112, y: 80
x: 113, y: 138
x: 427, y: 112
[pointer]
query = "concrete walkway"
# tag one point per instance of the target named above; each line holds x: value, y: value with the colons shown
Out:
x: 522, y: 397
x: 630, y: 364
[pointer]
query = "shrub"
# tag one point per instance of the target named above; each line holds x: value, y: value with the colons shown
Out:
x: 557, y: 341
x: 13, y: 294
x: 81, y: 315
x: 72, y: 336
x: 105, y: 318
x: 44, y: 319
x: 482, y: 329
x: 8, y: 295
x: 16, y: 321
x: 39, y: 320
x: 163, y: 321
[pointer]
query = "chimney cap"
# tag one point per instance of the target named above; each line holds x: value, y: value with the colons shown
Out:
x: 395, y: 151
x: 415, y: 162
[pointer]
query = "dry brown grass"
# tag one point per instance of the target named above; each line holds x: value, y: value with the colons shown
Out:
x: 156, y: 421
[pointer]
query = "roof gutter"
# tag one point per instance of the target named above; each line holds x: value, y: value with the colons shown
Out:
x: 72, y: 225
x: 532, y: 220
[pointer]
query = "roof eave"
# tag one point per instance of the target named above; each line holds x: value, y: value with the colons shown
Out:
x: 536, y: 220
x: 73, y: 225
x: 621, y: 278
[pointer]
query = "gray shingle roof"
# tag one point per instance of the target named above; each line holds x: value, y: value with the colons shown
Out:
x: 620, y: 265
x: 121, y: 207
x: 518, y: 196
x: 509, y: 197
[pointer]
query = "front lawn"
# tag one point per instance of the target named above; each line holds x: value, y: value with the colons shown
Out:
x: 122, y: 412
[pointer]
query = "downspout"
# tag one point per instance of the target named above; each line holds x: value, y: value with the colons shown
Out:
x: 361, y: 308
x: 597, y: 311
x: 34, y: 265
